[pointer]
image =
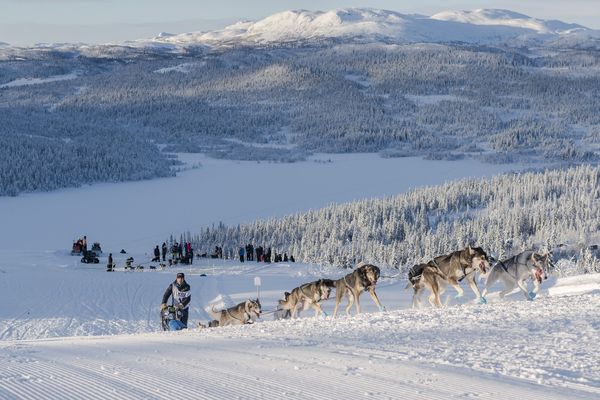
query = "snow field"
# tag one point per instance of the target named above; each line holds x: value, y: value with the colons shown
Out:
x: 542, y: 349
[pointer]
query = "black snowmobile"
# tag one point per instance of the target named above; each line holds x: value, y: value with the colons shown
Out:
x: 168, y: 314
x: 89, y: 257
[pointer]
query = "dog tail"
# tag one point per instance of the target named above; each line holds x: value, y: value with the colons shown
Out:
x: 286, y: 296
x: 329, y: 283
x: 214, y: 313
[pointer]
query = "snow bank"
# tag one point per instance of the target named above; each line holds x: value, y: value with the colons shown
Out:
x: 575, y: 285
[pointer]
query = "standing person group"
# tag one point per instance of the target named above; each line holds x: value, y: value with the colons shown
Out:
x: 179, y: 253
x: 262, y: 255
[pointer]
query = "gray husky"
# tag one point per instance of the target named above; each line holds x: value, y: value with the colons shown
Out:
x: 513, y: 272
x: 449, y: 269
x: 243, y: 313
x: 362, y: 279
x: 304, y: 296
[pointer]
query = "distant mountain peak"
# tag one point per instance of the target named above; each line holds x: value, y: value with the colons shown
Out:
x: 501, y: 17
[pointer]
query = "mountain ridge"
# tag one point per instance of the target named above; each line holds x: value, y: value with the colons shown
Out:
x: 483, y: 26
x: 365, y: 25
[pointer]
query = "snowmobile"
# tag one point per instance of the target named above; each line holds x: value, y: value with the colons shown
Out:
x: 129, y: 263
x: 89, y: 257
x: 77, y: 248
x: 168, y: 314
x: 96, y: 248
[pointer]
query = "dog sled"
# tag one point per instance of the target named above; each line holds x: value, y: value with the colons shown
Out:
x: 168, y: 314
x: 129, y: 264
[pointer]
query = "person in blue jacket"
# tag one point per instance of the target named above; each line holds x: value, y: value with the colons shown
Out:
x: 179, y: 290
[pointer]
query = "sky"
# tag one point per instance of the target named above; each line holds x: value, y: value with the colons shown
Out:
x: 25, y: 22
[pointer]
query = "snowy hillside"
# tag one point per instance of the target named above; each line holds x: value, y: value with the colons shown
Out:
x: 73, y: 330
x: 542, y: 349
x: 491, y: 85
x: 502, y: 214
x: 365, y: 24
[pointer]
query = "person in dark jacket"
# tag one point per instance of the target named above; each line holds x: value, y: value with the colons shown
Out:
x: 250, y: 252
x: 156, y: 254
x: 179, y: 290
x: 190, y: 250
x: 268, y: 255
x: 164, y: 251
x: 110, y: 266
x: 241, y: 253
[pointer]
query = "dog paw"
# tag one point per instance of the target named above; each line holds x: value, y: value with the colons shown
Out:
x: 482, y: 300
x: 459, y: 295
x: 382, y: 309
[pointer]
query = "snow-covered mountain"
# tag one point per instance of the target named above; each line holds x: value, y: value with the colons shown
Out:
x: 507, y: 18
x: 366, y: 24
x: 363, y: 25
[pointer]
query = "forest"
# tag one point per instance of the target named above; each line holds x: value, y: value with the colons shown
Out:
x: 121, y: 115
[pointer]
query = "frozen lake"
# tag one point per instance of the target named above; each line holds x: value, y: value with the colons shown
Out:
x: 138, y: 215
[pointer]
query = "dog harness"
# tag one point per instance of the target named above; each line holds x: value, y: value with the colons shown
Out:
x: 247, y: 316
x: 304, y: 293
x: 366, y: 287
x: 243, y: 321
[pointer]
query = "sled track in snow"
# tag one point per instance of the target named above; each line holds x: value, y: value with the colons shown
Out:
x: 160, y: 366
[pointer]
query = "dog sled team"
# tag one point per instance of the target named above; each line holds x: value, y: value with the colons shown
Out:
x: 466, y: 264
x: 434, y: 276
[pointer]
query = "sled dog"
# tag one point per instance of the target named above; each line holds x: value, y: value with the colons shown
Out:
x: 425, y: 276
x: 513, y: 272
x: 243, y: 313
x: 307, y: 295
x: 448, y: 269
x: 363, y: 278
x: 283, y: 310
